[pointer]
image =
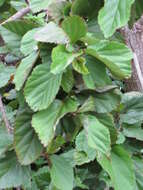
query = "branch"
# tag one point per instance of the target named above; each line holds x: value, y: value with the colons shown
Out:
x: 18, y: 15
x: 4, y: 117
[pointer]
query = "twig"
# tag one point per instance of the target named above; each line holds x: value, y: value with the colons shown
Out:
x: 18, y: 15
x: 4, y: 117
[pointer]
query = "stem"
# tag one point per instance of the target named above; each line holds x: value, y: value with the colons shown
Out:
x: 18, y: 15
x: 4, y: 117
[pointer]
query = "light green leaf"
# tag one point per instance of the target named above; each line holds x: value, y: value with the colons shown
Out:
x: 51, y: 33
x: 28, y: 43
x: 88, y: 105
x: 120, y: 168
x: 38, y: 5
x: 5, y: 73
x: 98, y: 135
x: 114, y: 15
x: 12, y: 174
x: 6, y: 139
x: 75, y: 27
x: 79, y: 65
x: 116, y: 56
x: 26, y: 143
x: 61, y: 173
x: 45, y: 122
x: 133, y: 107
x: 24, y: 69
x: 41, y: 88
x: 61, y: 58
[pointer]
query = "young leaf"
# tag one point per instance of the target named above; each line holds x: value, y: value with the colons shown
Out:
x: 120, y: 168
x: 41, y: 88
x: 26, y: 142
x: 75, y: 27
x: 24, y: 69
x: 79, y: 66
x: 61, y: 58
x: 114, y: 15
x: 98, y: 135
x: 51, y: 33
x: 61, y: 173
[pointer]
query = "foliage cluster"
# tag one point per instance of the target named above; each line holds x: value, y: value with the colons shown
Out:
x: 61, y: 81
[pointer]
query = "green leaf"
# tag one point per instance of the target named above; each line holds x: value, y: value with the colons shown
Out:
x: 82, y: 146
x: 88, y: 105
x: 28, y: 43
x: 38, y: 5
x: 116, y: 56
x: 97, y: 76
x: 79, y: 66
x: 67, y: 80
x: 55, y: 34
x: 75, y: 28
x: 120, y: 168
x: 133, y: 131
x: 41, y: 88
x: 107, y: 102
x: 98, y: 135
x: 61, y: 173
x: 27, y: 145
x: 12, y: 174
x: 24, y: 69
x: 6, y: 140
x: 133, y: 104
x: 45, y: 122
x: 5, y: 74
x: 61, y: 58
x: 108, y: 121
x: 117, y: 17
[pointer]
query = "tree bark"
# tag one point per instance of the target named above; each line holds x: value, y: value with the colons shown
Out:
x: 134, y: 40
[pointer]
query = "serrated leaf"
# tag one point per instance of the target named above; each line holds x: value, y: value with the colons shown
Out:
x: 117, y: 17
x: 24, y: 69
x: 41, y: 88
x: 61, y: 58
x: 5, y: 74
x: 12, y: 174
x: 45, y: 122
x: 98, y: 135
x: 116, y: 56
x: 55, y: 34
x: 120, y: 168
x: 108, y: 121
x: 28, y: 43
x: 75, y: 28
x: 27, y: 145
x: 61, y: 173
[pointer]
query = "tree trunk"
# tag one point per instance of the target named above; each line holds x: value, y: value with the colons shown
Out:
x: 134, y: 40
